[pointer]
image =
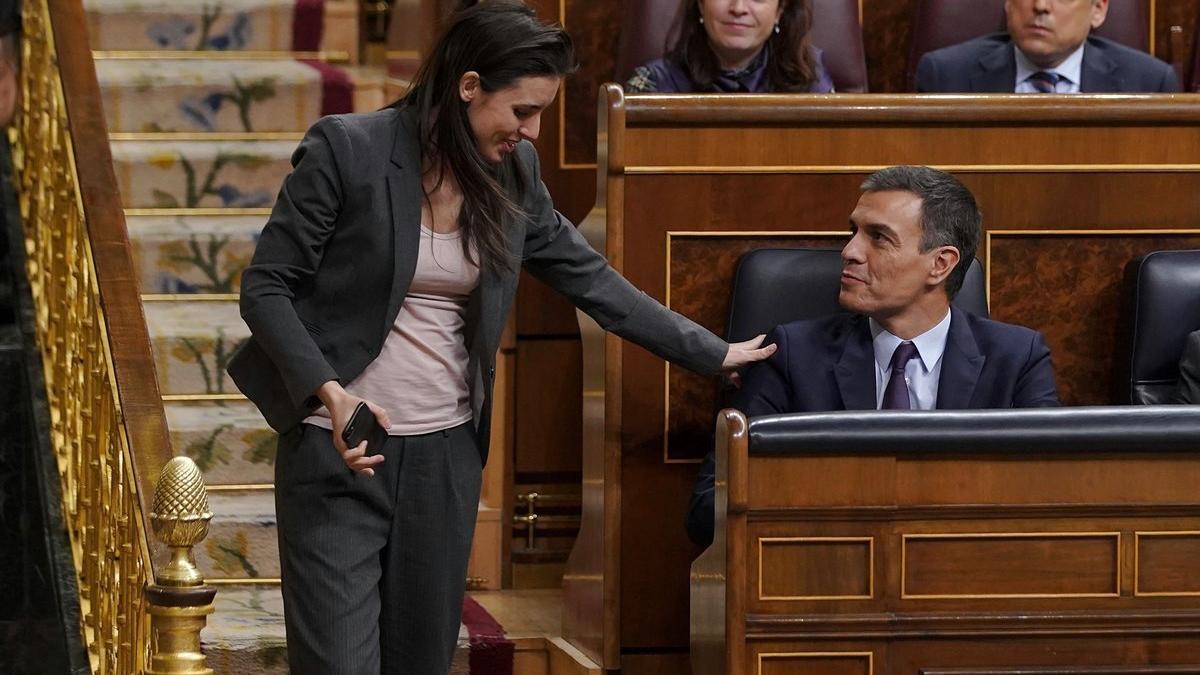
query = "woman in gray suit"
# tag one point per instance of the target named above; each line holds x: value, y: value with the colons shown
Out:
x: 383, y: 277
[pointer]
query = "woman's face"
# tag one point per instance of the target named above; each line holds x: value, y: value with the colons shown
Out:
x: 737, y: 29
x: 501, y: 119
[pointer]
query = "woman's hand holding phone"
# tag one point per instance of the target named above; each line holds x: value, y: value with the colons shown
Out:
x: 342, y: 407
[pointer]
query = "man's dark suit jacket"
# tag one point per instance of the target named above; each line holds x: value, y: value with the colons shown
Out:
x: 989, y: 65
x: 334, y: 262
x: 829, y: 364
x: 1189, y: 370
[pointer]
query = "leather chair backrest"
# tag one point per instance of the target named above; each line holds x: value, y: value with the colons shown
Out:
x: 941, y: 23
x: 648, y: 27
x: 1161, y: 306
x: 779, y: 285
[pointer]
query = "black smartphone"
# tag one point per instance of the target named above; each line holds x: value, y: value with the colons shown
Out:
x: 363, y: 426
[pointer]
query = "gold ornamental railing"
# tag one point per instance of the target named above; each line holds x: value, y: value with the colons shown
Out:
x: 108, y: 430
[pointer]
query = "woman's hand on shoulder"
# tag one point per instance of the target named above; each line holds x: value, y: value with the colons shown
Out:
x: 743, y: 354
x: 341, y: 405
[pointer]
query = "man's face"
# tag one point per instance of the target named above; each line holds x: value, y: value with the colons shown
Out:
x: 1047, y: 31
x: 883, y: 269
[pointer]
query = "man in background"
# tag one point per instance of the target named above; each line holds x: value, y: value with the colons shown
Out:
x: 1047, y: 49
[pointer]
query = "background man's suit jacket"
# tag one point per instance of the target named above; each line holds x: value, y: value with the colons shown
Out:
x: 1189, y: 370
x: 989, y: 65
x: 335, y: 260
x: 829, y: 364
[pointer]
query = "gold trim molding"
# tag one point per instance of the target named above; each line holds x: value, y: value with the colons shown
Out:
x: 870, y: 541
x: 198, y: 211
x: 947, y: 536
x: 332, y: 56
x: 206, y: 137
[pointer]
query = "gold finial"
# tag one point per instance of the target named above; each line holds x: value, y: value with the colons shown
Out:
x: 180, y: 518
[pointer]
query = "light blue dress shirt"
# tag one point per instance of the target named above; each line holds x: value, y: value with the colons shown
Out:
x: 1069, y: 70
x: 922, y: 373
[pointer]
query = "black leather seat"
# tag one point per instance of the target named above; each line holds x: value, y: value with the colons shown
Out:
x: 647, y: 27
x: 1161, y: 306
x: 941, y: 23
x: 778, y: 285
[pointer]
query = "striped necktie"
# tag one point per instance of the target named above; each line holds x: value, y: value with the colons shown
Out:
x: 1045, y: 81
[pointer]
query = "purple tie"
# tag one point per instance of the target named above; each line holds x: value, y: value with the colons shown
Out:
x: 895, y: 396
x: 1045, y: 81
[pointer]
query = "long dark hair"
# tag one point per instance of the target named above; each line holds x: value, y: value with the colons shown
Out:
x: 503, y: 41
x: 790, y: 68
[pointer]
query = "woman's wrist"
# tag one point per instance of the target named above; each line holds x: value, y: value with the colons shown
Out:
x: 331, y: 393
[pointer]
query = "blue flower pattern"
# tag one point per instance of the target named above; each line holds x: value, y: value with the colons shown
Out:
x: 177, y: 32
x: 232, y: 197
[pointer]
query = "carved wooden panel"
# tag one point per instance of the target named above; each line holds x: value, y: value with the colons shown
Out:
x: 1074, y: 305
x: 978, y: 566
x: 1166, y: 563
x: 814, y: 663
x: 815, y: 568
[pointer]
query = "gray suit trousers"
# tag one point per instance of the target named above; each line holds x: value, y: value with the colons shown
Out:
x: 374, y: 568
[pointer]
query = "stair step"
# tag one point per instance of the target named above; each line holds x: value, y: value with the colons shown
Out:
x: 228, y: 440
x: 192, y: 254
x: 205, y: 96
x: 206, y: 174
x: 192, y: 343
x: 242, y: 537
x: 246, y: 632
x: 261, y: 25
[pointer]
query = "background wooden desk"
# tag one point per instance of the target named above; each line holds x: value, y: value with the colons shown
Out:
x: 1071, y: 189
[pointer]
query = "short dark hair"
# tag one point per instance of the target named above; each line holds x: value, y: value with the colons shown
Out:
x: 949, y: 214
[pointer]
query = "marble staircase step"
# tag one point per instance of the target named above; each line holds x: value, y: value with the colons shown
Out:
x: 194, y: 95
x: 192, y: 254
x: 192, y: 344
x: 228, y: 440
x: 201, y: 174
x: 242, y: 537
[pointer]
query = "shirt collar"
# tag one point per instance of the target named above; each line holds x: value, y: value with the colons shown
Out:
x: 1069, y: 69
x: 930, y: 344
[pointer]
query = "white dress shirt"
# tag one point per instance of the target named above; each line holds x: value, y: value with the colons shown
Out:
x: 921, y: 373
x: 1069, y: 72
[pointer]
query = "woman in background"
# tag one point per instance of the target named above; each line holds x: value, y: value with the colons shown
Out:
x: 738, y: 46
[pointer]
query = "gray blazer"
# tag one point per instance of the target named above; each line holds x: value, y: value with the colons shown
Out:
x: 989, y: 65
x: 335, y: 260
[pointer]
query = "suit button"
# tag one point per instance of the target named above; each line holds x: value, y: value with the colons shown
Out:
x: 492, y: 372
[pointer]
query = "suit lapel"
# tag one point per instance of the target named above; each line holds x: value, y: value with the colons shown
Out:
x: 997, y: 71
x: 1098, y: 72
x: 404, y: 192
x: 855, y: 370
x: 961, y: 365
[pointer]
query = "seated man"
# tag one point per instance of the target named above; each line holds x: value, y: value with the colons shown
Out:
x: 1189, y: 370
x: 915, y: 230
x: 1047, y: 50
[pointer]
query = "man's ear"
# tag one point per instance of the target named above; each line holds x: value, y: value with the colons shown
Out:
x: 1099, y: 12
x: 468, y: 86
x: 945, y: 260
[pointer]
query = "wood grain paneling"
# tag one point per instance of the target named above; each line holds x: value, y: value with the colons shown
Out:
x: 887, y: 37
x: 814, y: 663
x: 1167, y: 563
x: 1001, y: 565
x: 815, y: 568
x: 548, y: 433
x: 1074, y: 305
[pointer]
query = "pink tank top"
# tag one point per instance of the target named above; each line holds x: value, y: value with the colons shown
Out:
x: 420, y: 376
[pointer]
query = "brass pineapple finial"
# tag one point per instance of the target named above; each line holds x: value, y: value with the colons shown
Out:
x: 180, y: 518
